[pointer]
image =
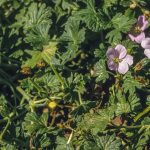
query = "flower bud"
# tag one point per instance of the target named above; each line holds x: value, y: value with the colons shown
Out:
x: 92, y: 72
x: 83, y: 56
x: 45, y: 110
x: 138, y: 67
x: 147, y: 14
x: 59, y: 125
x: 52, y: 105
x: 133, y: 5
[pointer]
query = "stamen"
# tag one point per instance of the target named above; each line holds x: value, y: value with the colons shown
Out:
x: 116, y: 60
x: 137, y: 29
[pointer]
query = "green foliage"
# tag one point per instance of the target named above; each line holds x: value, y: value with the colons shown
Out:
x: 37, y: 23
x: 90, y: 16
x: 36, y: 124
x: 88, y: 145
x: 46, y: 54
x: 33, y: 123
x: 100, y: 52
x: 108, y: 142
x: 101, y: 72
x: 120, y: 23
x: 36, y: 57
x: 109, y: 3
x: 73, y: 33
x: 48, y: 82
x: 97, y: 122
x: 125, y: 103
x: 130, y: 84
x: 62, y: 144
x: 82, y: 108
x: 37, y: 14
x: 77, y: 87
x: 57, y: 90
x: 38, y: 36
x: 74, y: 36
x: 4, y: 109
x: 144, y: 138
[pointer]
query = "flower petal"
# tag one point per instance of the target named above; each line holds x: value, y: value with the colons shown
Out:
x: 140, y: 37
x: 121, y: 50
x: 147, y: 52
x: 123, y: 67
x: 112, y: 65
x: 145, y: 26
x: 131, y: 37
x: 146, y: 43
x: 129, y: 59
x: 142, y: 22
x: 111, y: 53
x: 141, y: 19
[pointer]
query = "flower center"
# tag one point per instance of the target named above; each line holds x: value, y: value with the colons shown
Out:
x: 137, y: 29
x: 116, y: 60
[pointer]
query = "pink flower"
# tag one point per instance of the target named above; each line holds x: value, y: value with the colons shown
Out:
x: 137, y: 33
x: 118, y: 59
x: 146, y: 45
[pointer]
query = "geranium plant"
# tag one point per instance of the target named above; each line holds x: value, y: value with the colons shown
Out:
x: 74, y: 75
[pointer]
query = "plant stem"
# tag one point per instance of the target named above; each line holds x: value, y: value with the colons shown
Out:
x: 5, y: 129
x: 57, y: 75
x: 145, y: 111
x: 53, y: 119
x: 21, y: 91
x: 22, y: 101
x: 70, y: 137
x: 40, y: 101
x: 80, y: 99
x: 111, y: 73
x: 122, y: 127
x: 13, y: 118
x: 39, y: 89
x: 40, y: 105
x: 3, y: 120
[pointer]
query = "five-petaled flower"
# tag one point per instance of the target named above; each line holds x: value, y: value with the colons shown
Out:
x: 146, y: 45
x: 118, y: 59
x: 137, y: 33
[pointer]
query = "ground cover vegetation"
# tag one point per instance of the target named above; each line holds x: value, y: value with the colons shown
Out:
x: 74, y: 75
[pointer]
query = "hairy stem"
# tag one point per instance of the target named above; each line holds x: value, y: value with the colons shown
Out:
x: 5, y: 129
x: 57, y: 75
x: 145, y: 111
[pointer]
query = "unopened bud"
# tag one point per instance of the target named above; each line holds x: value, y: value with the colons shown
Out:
x: 45, y: 110
x: 147, y: 13
x: 133, y: 5
x: 92, y: 72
